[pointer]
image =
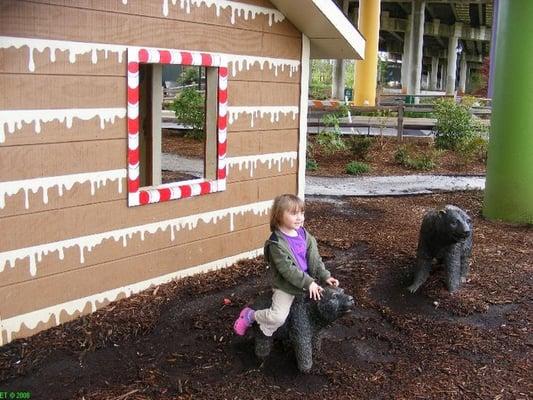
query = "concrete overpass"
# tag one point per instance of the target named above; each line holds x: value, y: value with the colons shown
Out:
x: 438, y: 42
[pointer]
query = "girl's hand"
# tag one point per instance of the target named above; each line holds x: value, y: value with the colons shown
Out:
x: 315, y: 291
x: 332, y: 281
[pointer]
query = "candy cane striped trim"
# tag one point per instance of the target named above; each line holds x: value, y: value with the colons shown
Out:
x: 137, y: 195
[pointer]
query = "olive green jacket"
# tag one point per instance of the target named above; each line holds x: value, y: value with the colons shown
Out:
x: 287, y: 275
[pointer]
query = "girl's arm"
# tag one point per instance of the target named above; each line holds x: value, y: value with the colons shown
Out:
x: 290, y: 272
x: 315, y: 261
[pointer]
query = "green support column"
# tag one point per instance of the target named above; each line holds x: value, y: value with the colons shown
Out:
x: 509, y: 185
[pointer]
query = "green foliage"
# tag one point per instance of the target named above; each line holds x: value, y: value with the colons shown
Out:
x: 472, y: 149
x: 422, y: 161
x: 454, y: 124
x: 330, y: 140
x: 401, y: 155
x: 320, y: 85
x: 188, y: 76
x: 311, y: 165
x: 357, y: 168
x: 360, y: 146
x: 189, y: 107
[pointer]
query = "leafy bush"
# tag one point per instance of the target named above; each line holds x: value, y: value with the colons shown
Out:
x: 357, y: 168
x: 330, y: 140
x: 360, y: 146
x: 423, y: 161
x: 311, y: 165
x: 401, y: 155
x: 472, y: 149
x: 188, y: 76
x: 454, y: 124
x: 189, y: 107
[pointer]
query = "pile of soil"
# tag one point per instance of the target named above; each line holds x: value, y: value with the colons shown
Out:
x: 176, y: 342
x: 381, y: 160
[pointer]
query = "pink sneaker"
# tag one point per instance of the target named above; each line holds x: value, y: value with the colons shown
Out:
x: 245, y: 320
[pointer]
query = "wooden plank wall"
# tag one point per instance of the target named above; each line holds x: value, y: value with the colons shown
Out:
x: 67, y: 232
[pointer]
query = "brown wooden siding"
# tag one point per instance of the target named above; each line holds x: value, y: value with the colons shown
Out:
x: 86, y: 147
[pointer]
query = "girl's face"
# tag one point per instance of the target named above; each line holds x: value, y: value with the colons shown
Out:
x: 293, y: 219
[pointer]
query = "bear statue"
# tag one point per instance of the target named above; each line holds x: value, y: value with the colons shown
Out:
x: 302, y: 328
x: 445, y: 235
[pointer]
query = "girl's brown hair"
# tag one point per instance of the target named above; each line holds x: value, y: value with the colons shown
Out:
x: 285, y: 202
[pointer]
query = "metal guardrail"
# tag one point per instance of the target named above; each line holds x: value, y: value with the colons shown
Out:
x: 396, y: 119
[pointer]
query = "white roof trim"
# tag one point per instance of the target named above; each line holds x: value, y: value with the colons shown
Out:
x: 330, y: 32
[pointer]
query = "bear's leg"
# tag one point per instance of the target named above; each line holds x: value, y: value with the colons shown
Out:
x: 466, y: 251
x: 452, y: 261
x: 317, y: 342
x: 303, y: 350
x: 423, y: 268
x: 263, y: 345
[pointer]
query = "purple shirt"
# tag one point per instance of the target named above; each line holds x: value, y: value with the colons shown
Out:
x: 298, y: 247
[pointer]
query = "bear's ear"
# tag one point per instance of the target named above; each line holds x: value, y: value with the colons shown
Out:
x: 442, y: 211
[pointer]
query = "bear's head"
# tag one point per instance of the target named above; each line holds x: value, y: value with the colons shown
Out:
x: 455, y: 223
x: 334, y: 303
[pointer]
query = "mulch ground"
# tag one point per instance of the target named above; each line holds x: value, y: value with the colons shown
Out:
x: 381, y: 160
x: 176, y: 342
x: 175, y: 142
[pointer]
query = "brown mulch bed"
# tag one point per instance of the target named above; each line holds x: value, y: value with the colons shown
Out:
x: 176, y: 143
x: 176, y: 342
x: 381, y: 160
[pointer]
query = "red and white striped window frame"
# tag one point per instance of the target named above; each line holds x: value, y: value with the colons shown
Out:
x: 155, y: 194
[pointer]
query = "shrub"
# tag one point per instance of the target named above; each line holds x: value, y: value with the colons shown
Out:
x: 423, y: 161
x: 360, y: 146
x: 311, y: 165
x: 454, y: 124
x: 189, y: 107
x: 357, y: 168
x: 401, y: 155
x: 474, y: 148
x: 330, y: 140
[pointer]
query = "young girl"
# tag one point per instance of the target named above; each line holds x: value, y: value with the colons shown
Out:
x: 293, y: 255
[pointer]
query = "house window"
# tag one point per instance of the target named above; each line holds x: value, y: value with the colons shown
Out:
x: 160, y: 168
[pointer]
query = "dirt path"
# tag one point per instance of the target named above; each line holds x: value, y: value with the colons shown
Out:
x: 176, y: 341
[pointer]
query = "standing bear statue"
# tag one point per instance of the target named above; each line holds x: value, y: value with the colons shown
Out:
x: 302, y: 328
x: 445, y: 235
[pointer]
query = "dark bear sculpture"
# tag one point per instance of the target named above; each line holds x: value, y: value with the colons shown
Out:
x: 303, y: 325
x: 445, y: 235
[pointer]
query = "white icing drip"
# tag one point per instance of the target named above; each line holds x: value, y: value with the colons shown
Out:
x: 35, y: 253
x: 74, y: 48
x: 237, y: 9
x: 32, y: 319
x: 14, y: 118
x: 260, y: 112
x: 240, y: 62
x: 250, y: 162
x: 63, y: 182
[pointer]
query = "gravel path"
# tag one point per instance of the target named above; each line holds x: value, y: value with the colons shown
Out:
x: 390, y: 185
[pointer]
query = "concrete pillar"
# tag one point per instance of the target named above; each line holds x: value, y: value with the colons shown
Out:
x: 366, y: 70
x: 451, y: 71
x: 406, y: 54
x: 434, y: 73
x: 338, y: 71
x: 462, y: 73
x: 492, y: 54
x: 509, y: 184
x: 337, y: 87
x: 417, y: 41
x: 442, y: 80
